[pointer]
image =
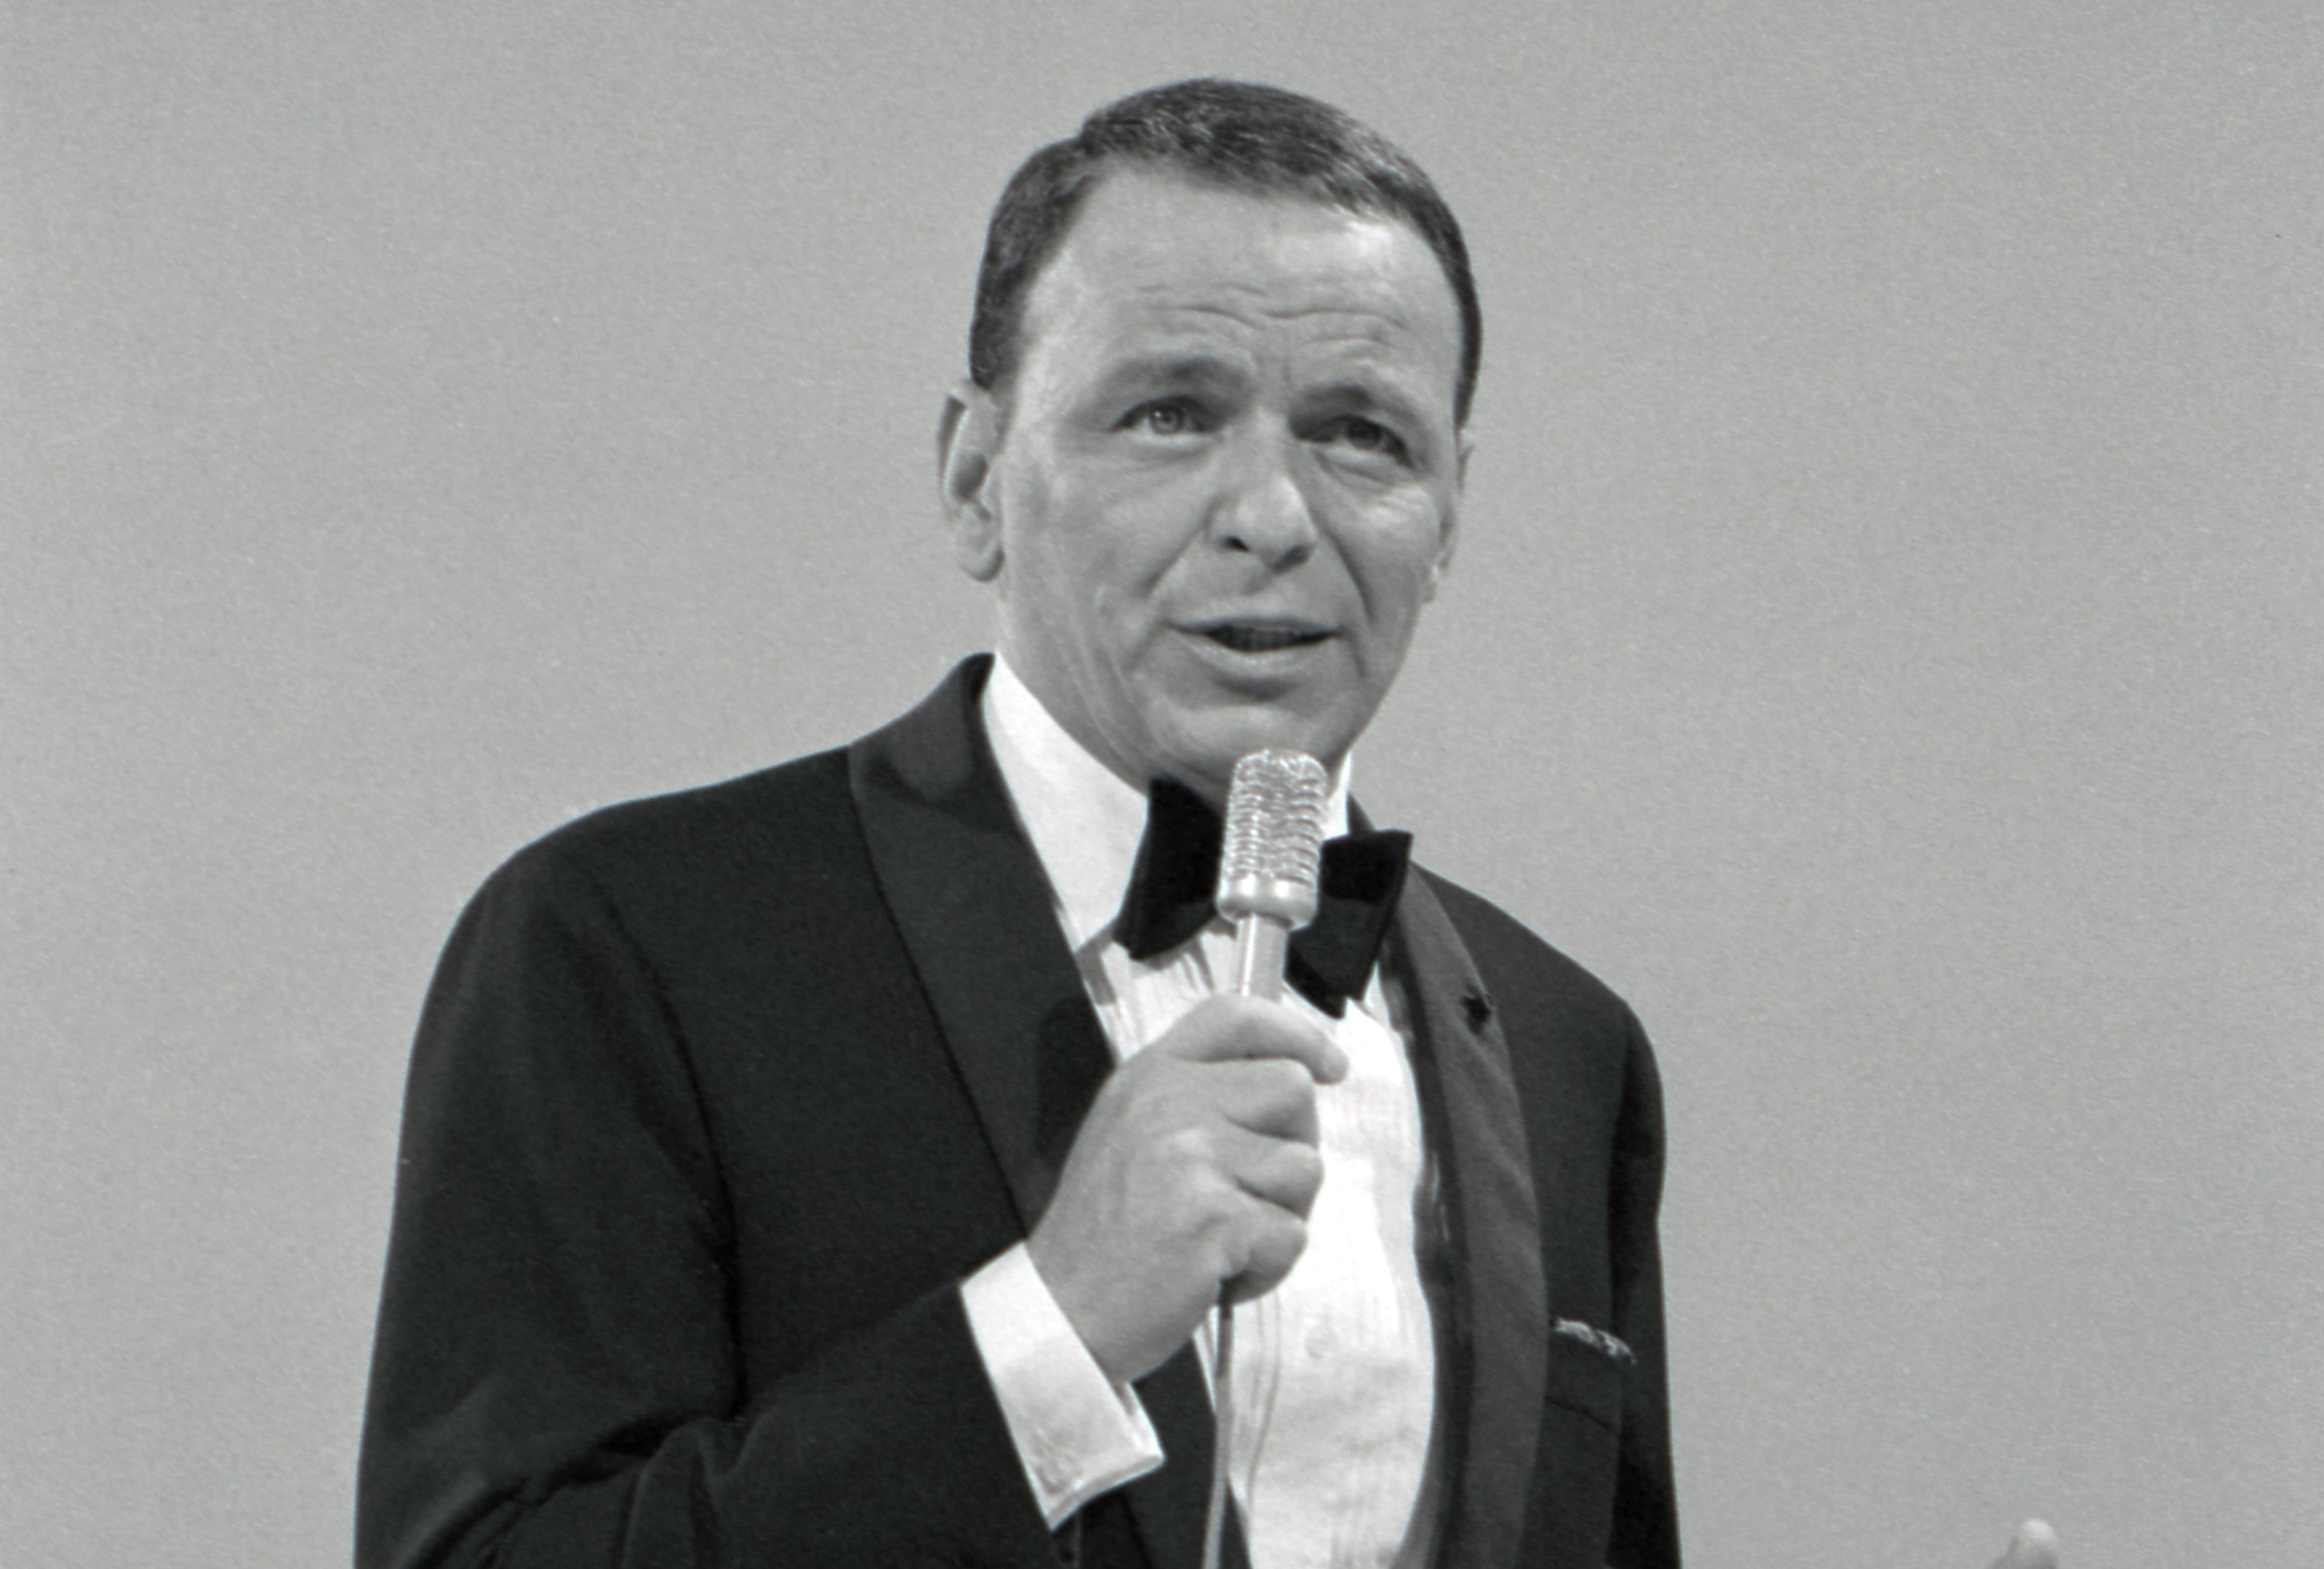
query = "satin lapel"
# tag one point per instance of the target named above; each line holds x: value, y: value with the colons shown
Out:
x: 973, y: 909
x: 1498, y: 1233
x: 975, y: 913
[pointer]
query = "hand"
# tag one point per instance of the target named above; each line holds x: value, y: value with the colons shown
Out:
x: 1196, y: 1166
x: 2034, y: 1546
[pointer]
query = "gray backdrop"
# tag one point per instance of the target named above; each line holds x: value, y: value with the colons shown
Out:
x: 1885, y: 646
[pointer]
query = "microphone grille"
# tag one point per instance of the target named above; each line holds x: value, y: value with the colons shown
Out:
x: 1274, y: 845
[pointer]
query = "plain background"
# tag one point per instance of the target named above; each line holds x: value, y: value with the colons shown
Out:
x: 1885, y: 646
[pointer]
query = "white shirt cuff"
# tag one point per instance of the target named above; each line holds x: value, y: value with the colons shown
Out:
x: 1078, y: 1433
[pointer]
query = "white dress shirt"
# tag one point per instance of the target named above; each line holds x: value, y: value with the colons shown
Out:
x: 1334, y: 1370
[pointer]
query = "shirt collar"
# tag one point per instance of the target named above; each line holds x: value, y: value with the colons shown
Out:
x: 1085, y: 821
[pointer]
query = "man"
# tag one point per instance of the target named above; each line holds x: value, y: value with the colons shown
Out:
x: 836, y: 1166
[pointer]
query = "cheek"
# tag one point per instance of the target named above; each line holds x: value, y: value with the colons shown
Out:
x: 1084, y: 578
x: 1119, y: 543
x: 1392, y: 556
x: 1044, y: 553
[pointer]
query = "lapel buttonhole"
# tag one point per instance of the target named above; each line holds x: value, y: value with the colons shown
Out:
x: 1478, y: 1008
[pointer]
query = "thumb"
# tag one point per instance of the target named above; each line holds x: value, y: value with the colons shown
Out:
x: 2034, y: 1546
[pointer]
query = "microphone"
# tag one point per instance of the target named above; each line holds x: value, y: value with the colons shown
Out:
x: 1269, y: 865
x: 1271, y: 861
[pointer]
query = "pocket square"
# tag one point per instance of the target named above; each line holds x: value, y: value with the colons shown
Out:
x: 1606, y: 1345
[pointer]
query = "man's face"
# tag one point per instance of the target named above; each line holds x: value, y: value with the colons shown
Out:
x: 1223, y: 482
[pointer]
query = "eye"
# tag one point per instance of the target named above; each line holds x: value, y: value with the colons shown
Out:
x: 1356, y: 434
x: 1163, y: 417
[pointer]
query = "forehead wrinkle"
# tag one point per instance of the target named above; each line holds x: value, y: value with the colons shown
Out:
x: 1374, y: 341
x: 1374, y: 314
x: 1205, y: 308
x: 1228, y: 285
x: 1170, y: 294
x: 1362, y: 325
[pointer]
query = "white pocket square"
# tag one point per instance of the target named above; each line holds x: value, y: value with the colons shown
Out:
x: 1596, y: 1338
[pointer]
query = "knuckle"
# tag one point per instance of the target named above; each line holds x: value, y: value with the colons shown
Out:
x: 1185, y: 1147
x: 1304, y: 1166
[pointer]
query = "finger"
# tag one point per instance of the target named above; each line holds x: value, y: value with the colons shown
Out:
x: 2034, y: 1546
x: 1266, y: 1095
x: 1284, y: 1174
x: 1268, y: 1242
x: 1225, y: 1028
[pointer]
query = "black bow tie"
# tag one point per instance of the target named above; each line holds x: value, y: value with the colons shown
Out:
x: 1178, y: 873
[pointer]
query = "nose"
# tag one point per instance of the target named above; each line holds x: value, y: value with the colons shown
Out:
x: 1264, y: 509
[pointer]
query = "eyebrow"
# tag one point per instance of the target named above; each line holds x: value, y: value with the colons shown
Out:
x: 1363, y: 396
x: 1173, y: 368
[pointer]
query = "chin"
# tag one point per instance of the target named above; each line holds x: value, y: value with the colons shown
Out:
x: 1203, y: 752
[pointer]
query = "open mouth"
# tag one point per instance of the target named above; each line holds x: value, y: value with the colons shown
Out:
x: 1260, y: 640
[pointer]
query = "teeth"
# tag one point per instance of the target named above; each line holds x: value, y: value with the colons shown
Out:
x: 1256, y: 640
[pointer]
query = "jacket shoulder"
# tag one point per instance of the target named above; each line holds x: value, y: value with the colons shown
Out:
x: 688, y: 879
x: 702, y: 838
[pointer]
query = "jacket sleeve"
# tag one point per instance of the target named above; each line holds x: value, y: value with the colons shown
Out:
x: 556, y: 1380
x: 1645, y: 1509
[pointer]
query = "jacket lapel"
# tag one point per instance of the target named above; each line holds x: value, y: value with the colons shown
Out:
x: 1496, y: 1234
x: 974, y: 911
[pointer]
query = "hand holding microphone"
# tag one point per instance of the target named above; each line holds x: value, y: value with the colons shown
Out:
x: 1196, y: 1164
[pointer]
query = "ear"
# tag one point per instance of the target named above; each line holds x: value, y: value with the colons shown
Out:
x: 968, y: 436
x: 1449, y: 532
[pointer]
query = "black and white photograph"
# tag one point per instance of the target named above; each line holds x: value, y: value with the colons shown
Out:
x: 1261, y: 786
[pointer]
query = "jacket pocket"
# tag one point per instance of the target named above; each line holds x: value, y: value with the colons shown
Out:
x: 1587, y: 1377
x: 1570, y: 1513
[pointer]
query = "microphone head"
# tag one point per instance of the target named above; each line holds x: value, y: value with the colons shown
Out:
x: 1274, y: 846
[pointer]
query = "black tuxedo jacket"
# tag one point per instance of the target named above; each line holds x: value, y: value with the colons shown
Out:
x: 717, y: 1097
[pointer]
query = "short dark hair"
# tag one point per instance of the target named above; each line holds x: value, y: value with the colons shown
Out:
x: 1238, y: 133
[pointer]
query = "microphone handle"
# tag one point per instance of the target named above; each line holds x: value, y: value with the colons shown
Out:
x: 1260, y: 944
